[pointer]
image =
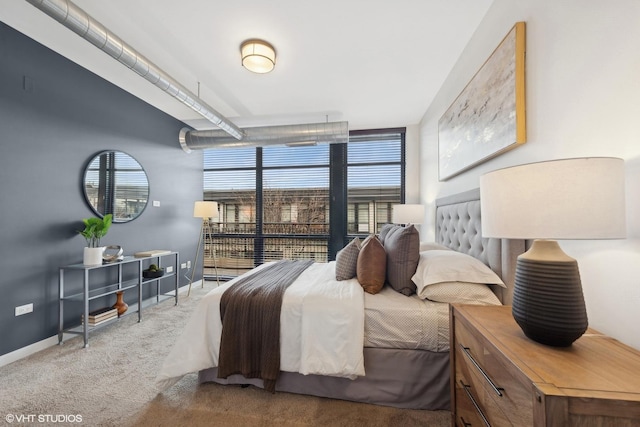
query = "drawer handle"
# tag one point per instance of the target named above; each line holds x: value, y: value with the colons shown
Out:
x: 495, y: 388
x: 466, y: 388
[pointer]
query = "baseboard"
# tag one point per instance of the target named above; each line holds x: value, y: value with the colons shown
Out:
x: 183, y: 289
x: 23, y: 352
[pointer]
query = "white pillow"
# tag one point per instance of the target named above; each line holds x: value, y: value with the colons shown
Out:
x: 438, y: 266
x: 430, y: 246
x: 460, y: 292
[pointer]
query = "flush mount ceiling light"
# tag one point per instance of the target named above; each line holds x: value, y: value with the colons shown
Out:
x: 258, y: 56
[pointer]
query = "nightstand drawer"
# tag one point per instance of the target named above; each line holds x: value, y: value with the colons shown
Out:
x: 595, y: 382
x: 468, y: 411
x: 472, y: 385
x: 481, y: 367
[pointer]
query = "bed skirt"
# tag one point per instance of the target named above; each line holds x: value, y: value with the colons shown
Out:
x: 410, y: 379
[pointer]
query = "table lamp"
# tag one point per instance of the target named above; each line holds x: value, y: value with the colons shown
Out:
x: 581, y: 198
x: 407, y: 214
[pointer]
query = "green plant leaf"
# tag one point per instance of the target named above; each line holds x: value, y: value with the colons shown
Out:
x: 96, y: 228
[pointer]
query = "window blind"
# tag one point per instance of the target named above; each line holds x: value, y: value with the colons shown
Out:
x: 275, y: 202
x: 375, y: 178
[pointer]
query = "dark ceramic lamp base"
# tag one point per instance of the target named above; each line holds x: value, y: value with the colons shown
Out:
x: 548, y: 303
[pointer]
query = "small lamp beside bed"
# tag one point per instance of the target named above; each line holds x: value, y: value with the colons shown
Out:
x: 407, y: 214
x: 581, y: 198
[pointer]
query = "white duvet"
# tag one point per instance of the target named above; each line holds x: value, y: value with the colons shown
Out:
x: 322, y: 329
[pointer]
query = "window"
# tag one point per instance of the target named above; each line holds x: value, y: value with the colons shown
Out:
x: 277, y: 202
x: 230, y: 180
x: 295, y: 202
x: 375, y: 179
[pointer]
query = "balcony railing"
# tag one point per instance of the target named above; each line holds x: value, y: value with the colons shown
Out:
x: 234, y: 245
x: 286, y: 228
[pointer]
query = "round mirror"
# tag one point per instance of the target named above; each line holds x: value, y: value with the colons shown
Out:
x: 115, y: 183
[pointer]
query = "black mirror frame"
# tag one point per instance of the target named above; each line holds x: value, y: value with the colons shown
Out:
x: 95, y: 209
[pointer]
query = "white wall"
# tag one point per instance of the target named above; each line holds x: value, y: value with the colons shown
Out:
x: 412, y: 164
x: 583, y: 99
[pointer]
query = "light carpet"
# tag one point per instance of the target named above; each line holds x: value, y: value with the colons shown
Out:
x: 112, y: 383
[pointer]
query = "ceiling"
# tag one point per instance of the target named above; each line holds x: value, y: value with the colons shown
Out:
x: 373, y: 63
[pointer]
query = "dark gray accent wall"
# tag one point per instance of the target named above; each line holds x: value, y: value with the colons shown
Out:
x: 55, y: 116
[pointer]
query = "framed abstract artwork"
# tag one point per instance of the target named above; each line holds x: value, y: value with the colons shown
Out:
x: 488, y: 117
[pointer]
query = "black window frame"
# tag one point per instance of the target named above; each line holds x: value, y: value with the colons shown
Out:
x: 338, y: 235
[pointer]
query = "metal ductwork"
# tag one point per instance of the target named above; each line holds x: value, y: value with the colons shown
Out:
x: 78, y: 21
x: 292, y: 135
x: 228, y: 135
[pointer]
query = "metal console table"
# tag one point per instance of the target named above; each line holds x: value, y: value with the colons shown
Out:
x: 133, y: 280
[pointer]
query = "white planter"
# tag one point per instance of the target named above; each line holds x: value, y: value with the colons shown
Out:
x: 93, y: 256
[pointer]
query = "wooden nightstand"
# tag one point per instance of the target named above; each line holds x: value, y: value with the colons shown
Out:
x: 499, y: 377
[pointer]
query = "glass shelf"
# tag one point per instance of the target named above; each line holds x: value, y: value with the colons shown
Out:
x: 133, y: 281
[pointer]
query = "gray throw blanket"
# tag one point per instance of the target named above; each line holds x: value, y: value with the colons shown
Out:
x: 250, y: 313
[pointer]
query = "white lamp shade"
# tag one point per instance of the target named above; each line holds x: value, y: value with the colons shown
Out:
x: 582, y: 198
x: 258, y: 56
x: 205, y: 209
x: 407, y: 214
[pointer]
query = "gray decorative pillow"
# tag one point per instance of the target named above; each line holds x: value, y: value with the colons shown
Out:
x: 386, y: 228
x: 347, y: 260
x: 402, y: 245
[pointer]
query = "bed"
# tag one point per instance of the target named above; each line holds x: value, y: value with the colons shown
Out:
x: 404, y: 342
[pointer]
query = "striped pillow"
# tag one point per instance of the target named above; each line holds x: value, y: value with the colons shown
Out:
x: 347, y: 260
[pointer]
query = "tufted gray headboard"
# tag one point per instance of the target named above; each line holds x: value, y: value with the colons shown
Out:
x: 458, y: 226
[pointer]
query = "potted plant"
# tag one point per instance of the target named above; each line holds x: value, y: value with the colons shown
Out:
x: 94, y: 229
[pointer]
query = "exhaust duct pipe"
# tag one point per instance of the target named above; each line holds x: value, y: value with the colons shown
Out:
x: 292, y: 135
x: 78, y: 21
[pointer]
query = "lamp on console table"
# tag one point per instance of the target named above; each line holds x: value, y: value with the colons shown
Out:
x: 206, y: 211
x: 568, y: 199
x: 407, y: 214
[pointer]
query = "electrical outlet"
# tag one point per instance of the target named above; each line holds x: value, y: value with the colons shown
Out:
x: 169, y: 269
x: 188, y: 264
x: 183, y: 265
x: 156, y: 203
x: 24, y: 309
